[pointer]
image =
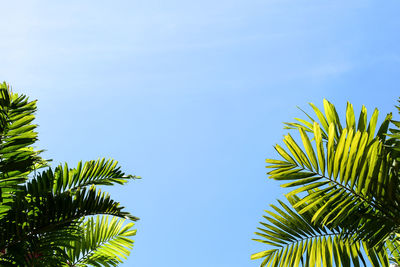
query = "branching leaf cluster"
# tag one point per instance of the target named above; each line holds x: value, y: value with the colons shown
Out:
x: 345, y: 203
x: 55, y: 217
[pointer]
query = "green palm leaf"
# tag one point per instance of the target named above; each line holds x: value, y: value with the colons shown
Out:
x: 38, y: 214
x: 105, y: 243
x: 297, y: 241
x: 43, y: 213
x: 17, y: 135
x: 345, y: 192
x: 355, y: 180
x: 64, y: 179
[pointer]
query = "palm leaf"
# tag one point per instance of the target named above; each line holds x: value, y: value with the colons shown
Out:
x: 298, y: 241
x: 42, y: 212
x: 36, y: 215
x: 356, y: 178
x: 18, y: 158
x: 105, y: 243
x: 345, y: 192
x: 64, y: 179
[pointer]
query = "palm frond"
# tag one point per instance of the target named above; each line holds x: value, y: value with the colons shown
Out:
x: 17, y: 156
x: 105, y: 242
x: 394, y: 140
x: 345, y: 169
x: 42, y: 212
x: 63, y: 179
x: 298, y: 241
x: 393, y: 245
x: 37, y: 215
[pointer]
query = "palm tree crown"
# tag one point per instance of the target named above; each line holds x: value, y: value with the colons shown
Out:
x: 344, y: 208
x: 55, y: 217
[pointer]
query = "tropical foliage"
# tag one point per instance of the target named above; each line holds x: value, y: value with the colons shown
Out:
x: 344, y: 205
x: 47, y: 215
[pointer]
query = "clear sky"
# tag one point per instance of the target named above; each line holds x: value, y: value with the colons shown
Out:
x: 191, y: 95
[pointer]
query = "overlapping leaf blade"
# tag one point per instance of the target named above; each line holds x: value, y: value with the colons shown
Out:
x: 42, y: 213
x: 342, y: 178
x: 296, y: 238
x: 105, y: 242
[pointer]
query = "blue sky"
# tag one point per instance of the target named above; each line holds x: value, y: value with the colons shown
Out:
x: 191, y: 95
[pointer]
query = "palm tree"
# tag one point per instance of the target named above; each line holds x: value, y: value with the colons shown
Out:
x: 55, y: 216
x: 344, y: 207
